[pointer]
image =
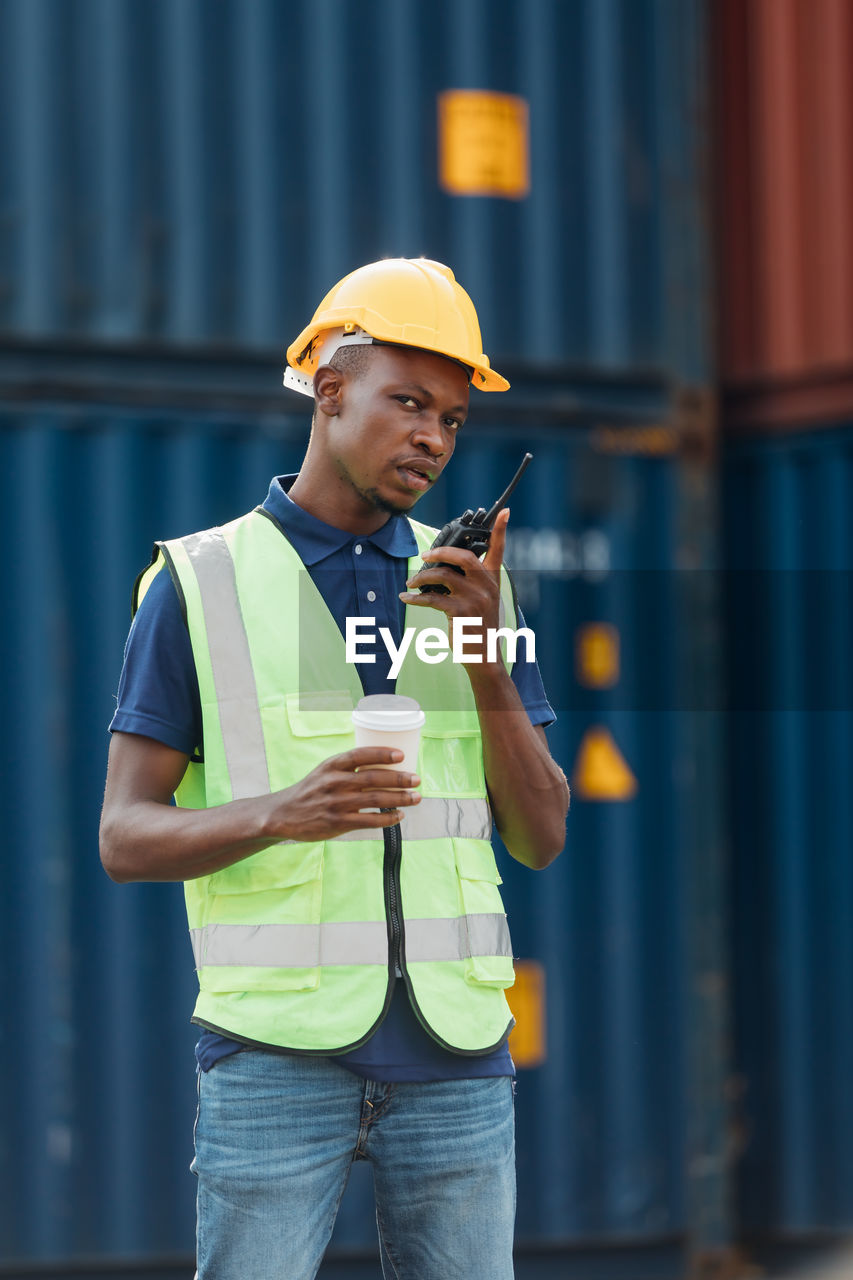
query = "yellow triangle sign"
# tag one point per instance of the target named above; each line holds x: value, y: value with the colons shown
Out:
x: 600, y: 771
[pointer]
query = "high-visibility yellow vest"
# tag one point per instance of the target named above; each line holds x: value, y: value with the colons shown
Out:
x: 298, y: 945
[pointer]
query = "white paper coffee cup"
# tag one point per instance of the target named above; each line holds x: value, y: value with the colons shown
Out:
x: 390, y: 720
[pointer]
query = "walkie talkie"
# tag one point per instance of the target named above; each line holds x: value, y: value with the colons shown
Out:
x: 473, y: 529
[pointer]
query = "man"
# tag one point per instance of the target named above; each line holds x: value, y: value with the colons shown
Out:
x: 349, y: 937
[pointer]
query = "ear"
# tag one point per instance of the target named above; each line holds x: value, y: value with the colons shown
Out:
x: 328, y: 386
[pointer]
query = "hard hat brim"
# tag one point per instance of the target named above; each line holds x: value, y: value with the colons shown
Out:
x: 483, y: 376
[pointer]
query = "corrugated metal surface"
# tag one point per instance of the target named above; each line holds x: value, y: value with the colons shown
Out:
x: 790, y: 532
x: 785, y: 183
x: 97, y: 1055
x: 200, y: 173
x: 96, y: 1075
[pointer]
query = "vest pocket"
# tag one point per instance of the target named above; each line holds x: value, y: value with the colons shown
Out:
x: 280, y: 866
x: 490, y: 964
x: 451, y: 764
x: 302, y: 730
x: 320, y: 715
x: 262, y: 930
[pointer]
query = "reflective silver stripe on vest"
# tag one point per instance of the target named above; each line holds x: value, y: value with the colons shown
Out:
x: 230, y: 658
x: 456, y: 939
x: 287, y: 946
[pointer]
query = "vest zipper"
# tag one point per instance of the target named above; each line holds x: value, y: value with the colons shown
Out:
x: 393, y: 854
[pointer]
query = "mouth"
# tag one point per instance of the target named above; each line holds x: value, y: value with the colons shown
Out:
x: 416, y: 475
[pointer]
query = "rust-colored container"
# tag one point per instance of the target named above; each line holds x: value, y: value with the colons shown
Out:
x: 784, y: 94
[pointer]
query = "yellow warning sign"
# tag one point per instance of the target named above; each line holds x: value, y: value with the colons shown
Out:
x: 527, y: 1002
x: 483, y: 144
x: 597, y: 655
x: 600, y: 771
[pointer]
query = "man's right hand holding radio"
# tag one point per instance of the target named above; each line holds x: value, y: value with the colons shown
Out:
x: 471, y: 587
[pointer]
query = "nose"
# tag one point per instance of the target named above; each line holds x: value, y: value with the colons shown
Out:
x: 431, y: 435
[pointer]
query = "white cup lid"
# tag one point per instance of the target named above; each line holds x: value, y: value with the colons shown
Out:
x: 388, y: 711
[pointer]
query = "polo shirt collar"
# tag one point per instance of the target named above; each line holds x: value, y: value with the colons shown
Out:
x: 314, y: 540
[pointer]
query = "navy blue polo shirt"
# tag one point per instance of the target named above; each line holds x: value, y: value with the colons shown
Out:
x: 158, y: 697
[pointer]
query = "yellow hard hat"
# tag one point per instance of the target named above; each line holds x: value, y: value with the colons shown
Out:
x: 411, y: 302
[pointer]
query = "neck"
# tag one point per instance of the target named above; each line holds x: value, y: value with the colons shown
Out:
x: 332, y: 500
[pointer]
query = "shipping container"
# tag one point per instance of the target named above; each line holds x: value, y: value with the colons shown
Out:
x: 98, y: 1087
x: 784, y: 137
x: 199, y: 174
x: 784, y: 180
x: 789, y: 534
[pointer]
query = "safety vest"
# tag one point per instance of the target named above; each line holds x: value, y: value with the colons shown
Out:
x: 298, y: 945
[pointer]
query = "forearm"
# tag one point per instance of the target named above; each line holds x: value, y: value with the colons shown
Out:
x: 150, y: 840
x: 528, y: 790
x: 143, y: 837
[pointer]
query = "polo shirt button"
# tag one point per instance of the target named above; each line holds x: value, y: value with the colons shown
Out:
x: 358, y: 548
x: 371, y: 595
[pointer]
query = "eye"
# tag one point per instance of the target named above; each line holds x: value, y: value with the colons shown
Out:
x: 453, y: 423
x: 408, y: 400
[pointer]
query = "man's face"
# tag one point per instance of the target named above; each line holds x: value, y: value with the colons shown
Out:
x: 395, y: 429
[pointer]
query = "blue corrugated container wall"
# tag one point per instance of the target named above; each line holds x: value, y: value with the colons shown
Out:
x: 199, y: 174
x: 181, y: 180
x: 789, y: 522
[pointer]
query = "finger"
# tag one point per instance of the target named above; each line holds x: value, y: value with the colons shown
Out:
x: 452, y: 555
x: 435, y: 573
x: 355, y: 821
x: 451, y: 581
x: 387, y: 779
x: 494, y: 557
x: 358, y: 757
x: 430, y: 600
x: 388, y: 799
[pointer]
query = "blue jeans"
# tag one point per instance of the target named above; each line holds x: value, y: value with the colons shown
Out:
x: 276, y: 1136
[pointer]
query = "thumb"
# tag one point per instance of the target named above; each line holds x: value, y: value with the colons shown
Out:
x: 494, y: 557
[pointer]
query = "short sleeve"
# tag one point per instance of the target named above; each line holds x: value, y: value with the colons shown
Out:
x: 158, y: 693
x: 528, y: 681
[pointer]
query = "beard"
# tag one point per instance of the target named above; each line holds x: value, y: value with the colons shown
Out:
x: 374, y: 497
x: 383, y: 504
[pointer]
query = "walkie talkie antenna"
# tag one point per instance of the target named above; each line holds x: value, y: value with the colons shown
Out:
x: 504, y: 498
